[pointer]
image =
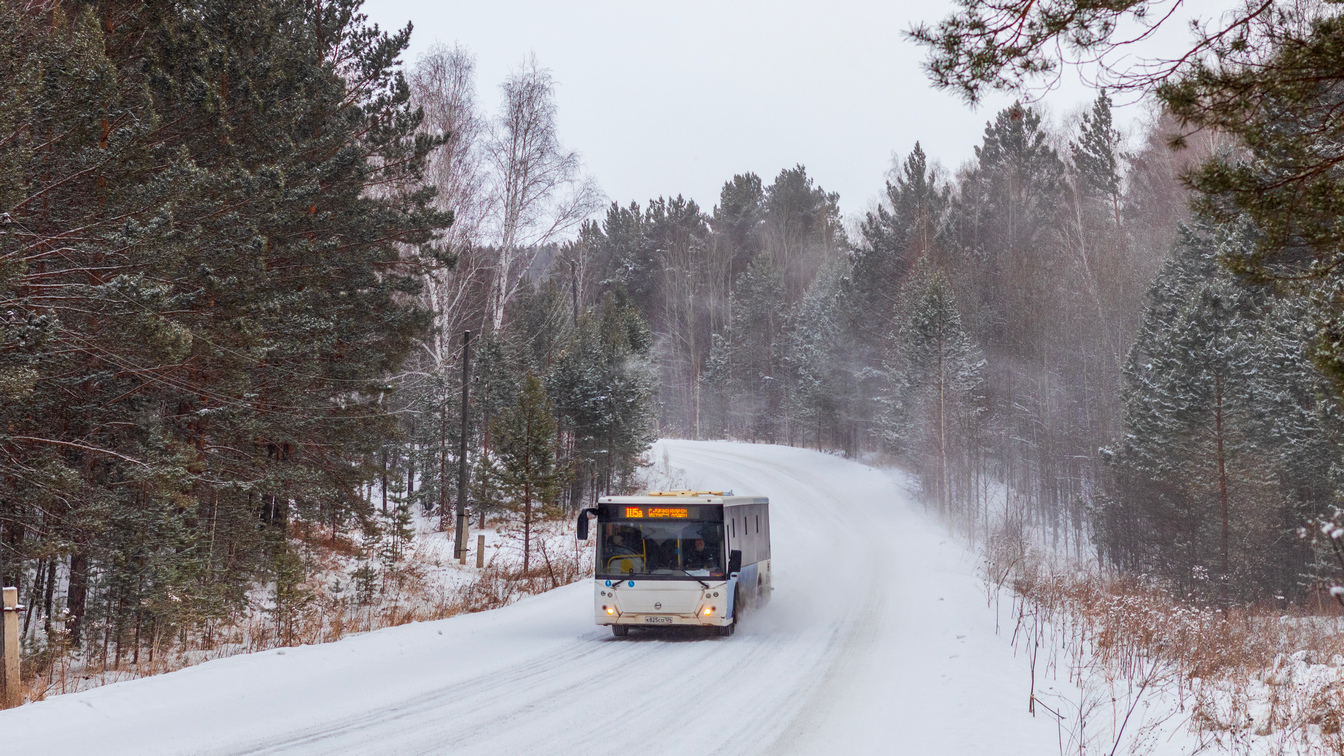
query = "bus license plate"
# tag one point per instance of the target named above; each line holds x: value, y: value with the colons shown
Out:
x: 665, y: 620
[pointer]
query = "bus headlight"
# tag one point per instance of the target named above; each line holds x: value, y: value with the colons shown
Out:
x: 709, y: 610
x: 609, y: 609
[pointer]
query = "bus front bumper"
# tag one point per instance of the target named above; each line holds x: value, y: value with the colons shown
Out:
x: 663, y: 620
x: 663, y: 603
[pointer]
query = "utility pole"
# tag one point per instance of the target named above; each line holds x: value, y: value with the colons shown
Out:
x: 460, y: 541
x: 9, y: 640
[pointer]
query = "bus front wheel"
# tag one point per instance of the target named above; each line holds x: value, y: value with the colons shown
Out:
x: 620, y: 631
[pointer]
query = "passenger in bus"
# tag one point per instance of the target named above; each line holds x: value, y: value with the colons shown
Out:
x: 616, y: 543
x: 624, y: 551
x: 700, y: 558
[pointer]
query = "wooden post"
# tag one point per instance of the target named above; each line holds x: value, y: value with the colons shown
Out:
x: 11, y: 690
x: 480, y: 551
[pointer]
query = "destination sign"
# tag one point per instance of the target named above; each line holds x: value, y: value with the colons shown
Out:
x: 673, y: 513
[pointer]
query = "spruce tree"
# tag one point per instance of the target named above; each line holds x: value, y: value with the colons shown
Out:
x: 1227, y: 446
x: 1297, y: 423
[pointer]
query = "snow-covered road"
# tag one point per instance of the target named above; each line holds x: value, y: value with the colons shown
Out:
x: 878, y: 640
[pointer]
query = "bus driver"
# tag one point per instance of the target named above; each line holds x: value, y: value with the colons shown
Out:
x: 699, y: 557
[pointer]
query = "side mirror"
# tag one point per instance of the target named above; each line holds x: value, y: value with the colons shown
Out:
x: 583, y: 522
x: 734, y: 562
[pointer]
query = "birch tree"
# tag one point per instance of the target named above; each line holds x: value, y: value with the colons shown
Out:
x: 537, y: 190
x: 443, y: 86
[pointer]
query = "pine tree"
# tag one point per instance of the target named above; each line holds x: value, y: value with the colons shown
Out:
x: 1003, y: 225
x: 1018, y: 293
x: 228, y: 299
x: 686, y: 292
x: 1096, y: 153
x: 936, y: 379
x: 603, y: 389
x: 737, y: 221
x: 817, y: 359
x: 622, y: 250
x: 800, y: 230
x: 745, y: 368
x: 525, y: 445
x: 898, y: 234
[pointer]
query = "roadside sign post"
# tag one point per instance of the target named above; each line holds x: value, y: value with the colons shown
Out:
x: 11, y: 690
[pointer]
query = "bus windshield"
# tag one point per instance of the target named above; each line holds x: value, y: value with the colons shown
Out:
x: 661, y: 548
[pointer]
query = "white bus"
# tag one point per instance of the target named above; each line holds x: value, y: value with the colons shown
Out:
x: 679, y: 558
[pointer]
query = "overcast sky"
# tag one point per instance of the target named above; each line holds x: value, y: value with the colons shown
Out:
x: 664, y: 98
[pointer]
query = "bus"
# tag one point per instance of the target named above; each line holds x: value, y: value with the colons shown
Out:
x: 690, y: 558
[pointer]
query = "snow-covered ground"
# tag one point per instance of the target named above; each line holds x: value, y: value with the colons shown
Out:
x: 878, y: 640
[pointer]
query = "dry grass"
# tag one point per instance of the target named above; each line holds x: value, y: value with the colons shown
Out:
x: 1151, y: 668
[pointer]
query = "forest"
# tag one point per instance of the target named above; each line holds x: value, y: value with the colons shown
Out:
x: 241, y: 246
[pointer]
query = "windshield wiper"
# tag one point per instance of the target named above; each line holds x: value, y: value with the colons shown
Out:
x: 693, y: 577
